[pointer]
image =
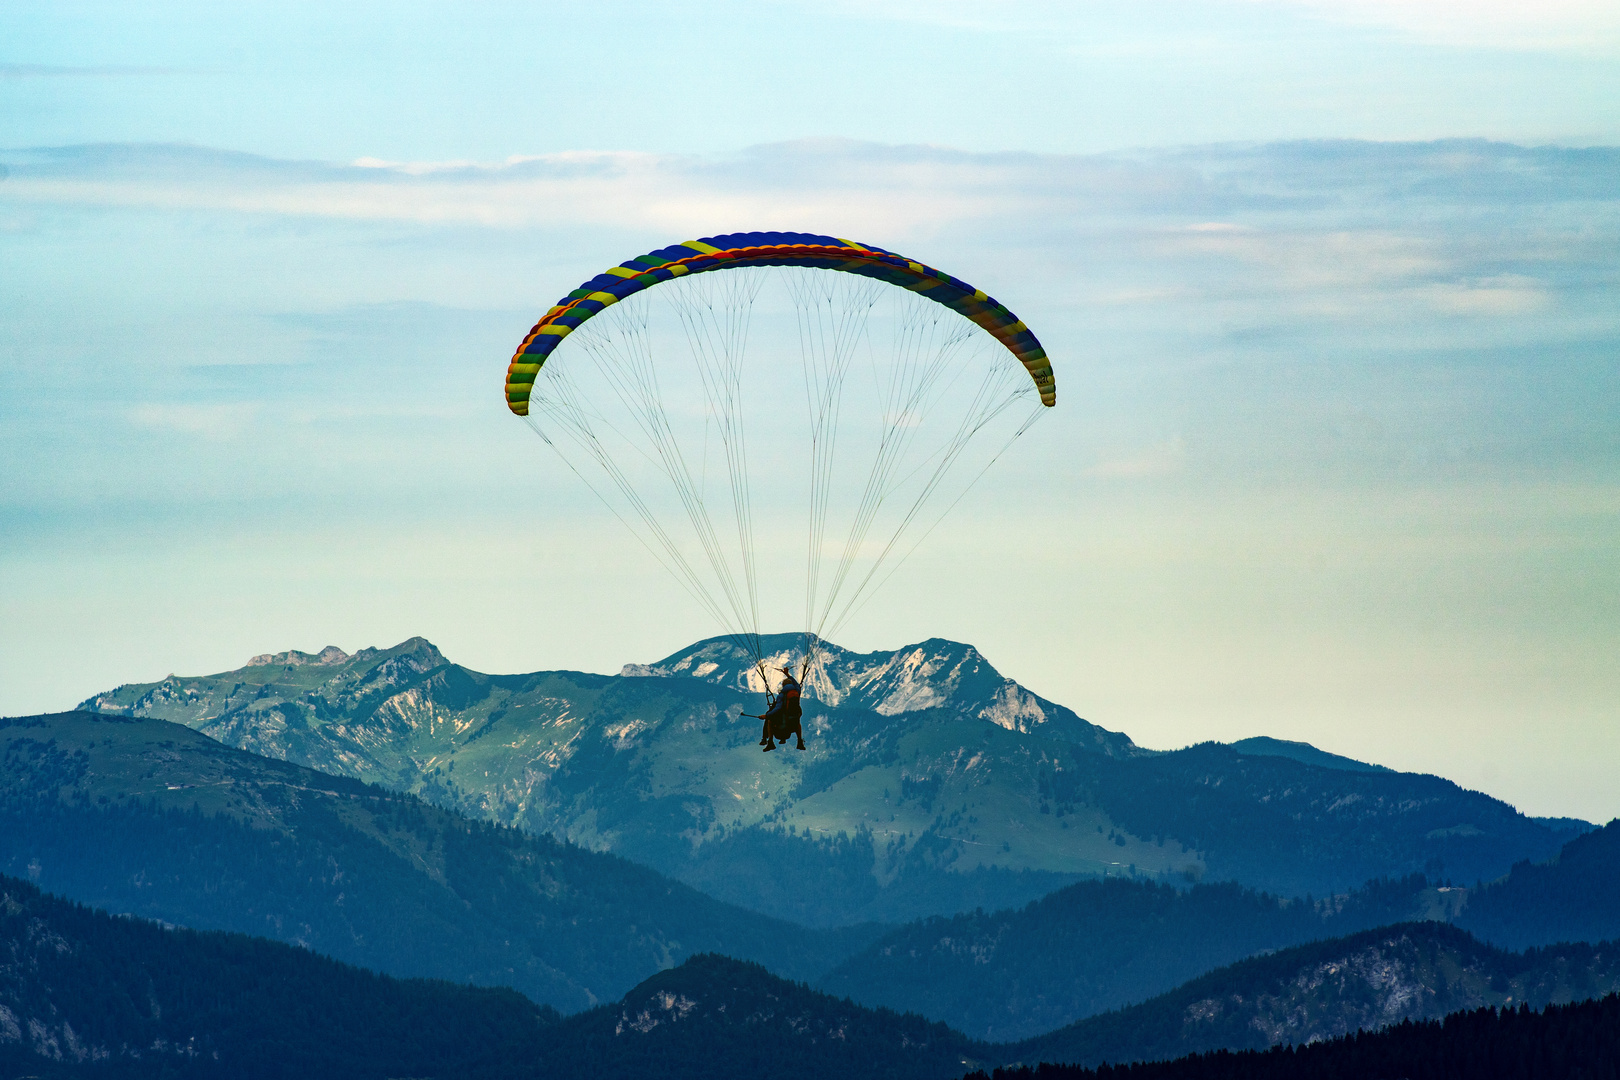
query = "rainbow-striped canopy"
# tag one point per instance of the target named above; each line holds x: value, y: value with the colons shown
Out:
x: 770, y: 249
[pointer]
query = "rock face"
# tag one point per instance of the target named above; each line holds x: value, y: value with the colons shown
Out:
x: 932, y: 675
x: 931, y: 784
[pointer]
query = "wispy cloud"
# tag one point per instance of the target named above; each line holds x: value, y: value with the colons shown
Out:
x: 1329, y: 179
x: 776, y: 187
x: 1340, y: 229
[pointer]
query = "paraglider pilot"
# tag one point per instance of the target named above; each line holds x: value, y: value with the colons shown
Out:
x: 782, y: 718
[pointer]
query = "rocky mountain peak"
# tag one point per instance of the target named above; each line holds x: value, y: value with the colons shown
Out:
x: 933, y: 674
x: 422, y: 653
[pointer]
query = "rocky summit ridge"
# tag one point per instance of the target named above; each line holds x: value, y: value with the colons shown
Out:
x: 932, y: 674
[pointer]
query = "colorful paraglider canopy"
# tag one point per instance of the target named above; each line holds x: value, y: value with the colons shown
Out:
x: 770, y: 249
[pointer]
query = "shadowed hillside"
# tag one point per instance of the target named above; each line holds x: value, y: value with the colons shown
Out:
x: 1578, y: 1041
x: 714, y: 1016
x: 151, y: 818
x: 84, y: 993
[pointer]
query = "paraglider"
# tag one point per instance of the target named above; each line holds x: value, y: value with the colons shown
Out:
x: 782, y: 717
x: 661, y: 370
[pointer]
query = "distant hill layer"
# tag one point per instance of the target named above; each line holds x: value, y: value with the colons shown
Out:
x: 143, y: 816
x: 84, y: 993
x: 1328, y: 989
x: 933, y: 786
x: 1105, y: 944
x: 1092, y: 947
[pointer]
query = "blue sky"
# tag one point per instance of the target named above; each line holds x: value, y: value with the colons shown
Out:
x: 1331, y: 288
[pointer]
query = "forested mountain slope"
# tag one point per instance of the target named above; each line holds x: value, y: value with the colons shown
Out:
x: 151, y: 818
x: 1578, y: 1041
x: 1104, y: 944
x: 716, y: 1017
x: 1331, y: 988
x: 1293, y: 828
x: 1091, y: 947
x: 84, y: 993
x: 931, y: 788
x: 1574, y: 896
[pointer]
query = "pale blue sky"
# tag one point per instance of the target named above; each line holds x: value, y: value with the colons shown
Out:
x: 1336, y: 454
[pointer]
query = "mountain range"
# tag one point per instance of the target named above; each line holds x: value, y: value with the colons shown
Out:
x: 932, y: 785
x: 85, y: 994
x: 151, y: 818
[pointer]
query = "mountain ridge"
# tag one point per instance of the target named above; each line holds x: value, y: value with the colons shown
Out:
x: 889, y: 815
